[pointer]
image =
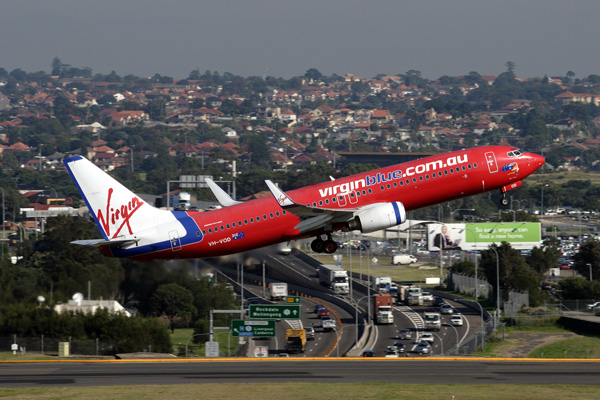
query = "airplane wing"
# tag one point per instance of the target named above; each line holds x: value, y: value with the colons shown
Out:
x: 311, y: 218
x: 220, y: 194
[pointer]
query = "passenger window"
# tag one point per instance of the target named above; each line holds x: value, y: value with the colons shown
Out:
x: 233, y: 224
x: 251, y: 220
x: 277, y: 213
x: 427, y: 176
x: 271, y: 215
x: 209, y: 230
x: 414, y: 180
x: 388, y: 186
x: 216, y: 229
x: 474, y: 165
x: 421, y: 178
x: 333, y: 199
x: 228, y: 226
x: 245, y: 222
x: 445, y: 172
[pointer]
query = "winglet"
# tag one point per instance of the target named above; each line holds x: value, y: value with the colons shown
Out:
x: 220, y: 194
x: 282, y: 198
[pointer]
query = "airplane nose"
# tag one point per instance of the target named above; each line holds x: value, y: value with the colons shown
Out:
x: 539, y: 160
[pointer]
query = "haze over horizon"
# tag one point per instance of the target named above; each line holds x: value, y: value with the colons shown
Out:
x: 284, y: 39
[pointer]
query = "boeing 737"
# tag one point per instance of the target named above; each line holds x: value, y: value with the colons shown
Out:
x: 366, y: 202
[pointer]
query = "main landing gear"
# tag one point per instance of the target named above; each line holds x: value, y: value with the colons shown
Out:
x: 324, y: 246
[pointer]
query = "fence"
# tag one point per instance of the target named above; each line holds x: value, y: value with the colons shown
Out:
x: 46, y: 345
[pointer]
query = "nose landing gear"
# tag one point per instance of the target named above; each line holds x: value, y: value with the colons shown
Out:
x: 328, y: 246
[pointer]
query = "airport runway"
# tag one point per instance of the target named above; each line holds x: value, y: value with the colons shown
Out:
x: 430, y: 371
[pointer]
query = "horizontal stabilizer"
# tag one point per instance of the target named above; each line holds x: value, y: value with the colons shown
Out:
x: 222, y: 197
x: 102, y: 242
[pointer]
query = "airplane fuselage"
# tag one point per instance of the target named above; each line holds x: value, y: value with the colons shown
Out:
x: 257, y: 223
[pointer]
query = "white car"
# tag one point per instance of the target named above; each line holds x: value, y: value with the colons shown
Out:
x: 456, y: 320
x: 427, y: 337
x: 427, y: 296
x: 590, y: 307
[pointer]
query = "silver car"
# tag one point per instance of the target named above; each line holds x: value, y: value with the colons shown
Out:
x: 422, y: 347
x: 405, y: 334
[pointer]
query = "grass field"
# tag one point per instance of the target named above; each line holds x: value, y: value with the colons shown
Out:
x: 310, y: 391
x: 399, y: 273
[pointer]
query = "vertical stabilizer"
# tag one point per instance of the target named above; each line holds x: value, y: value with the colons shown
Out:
x: 118, y: 212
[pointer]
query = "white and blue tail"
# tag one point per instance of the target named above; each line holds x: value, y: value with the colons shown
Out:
x: 118, y: 212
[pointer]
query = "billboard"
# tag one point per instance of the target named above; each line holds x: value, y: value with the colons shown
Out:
x: 479, y: 236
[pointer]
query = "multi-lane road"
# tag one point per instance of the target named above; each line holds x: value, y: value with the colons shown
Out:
x: 300, y: 273
x: 323, y: 370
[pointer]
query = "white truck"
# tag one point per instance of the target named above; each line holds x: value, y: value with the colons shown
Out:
x: 403, y: 259
x: 279, y: 291
x: 382, y: 283
x: 334, y: 277
x: 433, y: 321
x: 415, y: 296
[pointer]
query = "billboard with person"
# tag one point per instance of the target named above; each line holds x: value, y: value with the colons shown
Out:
x: 479, y: 236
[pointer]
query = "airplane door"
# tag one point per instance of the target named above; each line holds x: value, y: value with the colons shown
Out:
x: 175, y: 241
x: 342, y: 201
x: 353, y: 198
x: 490, y: 159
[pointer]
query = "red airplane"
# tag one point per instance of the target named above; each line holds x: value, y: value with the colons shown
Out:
x: 367, y: 202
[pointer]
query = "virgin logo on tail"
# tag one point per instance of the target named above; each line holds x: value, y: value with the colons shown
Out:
x: 120, y: 214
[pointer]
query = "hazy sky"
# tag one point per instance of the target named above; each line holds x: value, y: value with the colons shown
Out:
x: 286, y: 38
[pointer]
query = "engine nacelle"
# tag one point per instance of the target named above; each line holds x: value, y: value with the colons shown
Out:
x: 380, y: 216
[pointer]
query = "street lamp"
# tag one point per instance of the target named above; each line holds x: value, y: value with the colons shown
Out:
x: 3, y: 222
x: 497, y: 283
x: 458, y: 209
x: 542, y: 211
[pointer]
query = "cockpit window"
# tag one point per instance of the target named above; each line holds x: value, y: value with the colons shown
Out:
x: 514, y: 153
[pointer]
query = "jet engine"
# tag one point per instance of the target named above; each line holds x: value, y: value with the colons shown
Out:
x: 379, y: 216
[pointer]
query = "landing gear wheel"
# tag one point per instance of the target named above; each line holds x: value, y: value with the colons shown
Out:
x: 504, y: 201
x: 317, y: 245
x: 330, y: 246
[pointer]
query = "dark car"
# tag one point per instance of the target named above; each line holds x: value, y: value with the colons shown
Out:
x: 319, y: 307
x: 399, y: 347
x: 438, y: 301
x: 368, y: 353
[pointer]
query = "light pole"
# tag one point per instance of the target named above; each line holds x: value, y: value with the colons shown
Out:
x: 458, y: 209
x: 590, y: 267
x: 475, y: 239
x: 456, y: 332
x: 497, y: 284
x: 3, y: 222
x: 542, y: 211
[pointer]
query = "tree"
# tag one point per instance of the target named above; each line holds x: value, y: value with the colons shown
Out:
x: 588, y: 257
x: 313, y: 74
x: 541, y: 260
x: 173, y: 301
x: 514, y: 273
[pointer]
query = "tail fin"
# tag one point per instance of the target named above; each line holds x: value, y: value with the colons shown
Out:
x: 118, y: 212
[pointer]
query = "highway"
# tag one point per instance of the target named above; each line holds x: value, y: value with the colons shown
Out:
x: 299, y: 271
x: 280, y: 370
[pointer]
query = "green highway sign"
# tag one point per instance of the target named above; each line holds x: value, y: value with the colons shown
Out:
x: 252, y: 328
x: 292, y: 300
x: 265, y: 311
